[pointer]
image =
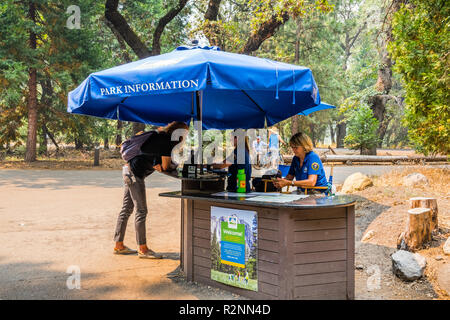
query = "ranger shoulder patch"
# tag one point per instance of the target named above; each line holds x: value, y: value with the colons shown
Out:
x: 315, y: 166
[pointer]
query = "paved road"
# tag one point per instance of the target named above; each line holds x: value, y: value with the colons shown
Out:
x: 60, y: 179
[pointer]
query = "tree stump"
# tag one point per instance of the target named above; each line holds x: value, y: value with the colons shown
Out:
x: 431, y: 203
x: 418, y: 230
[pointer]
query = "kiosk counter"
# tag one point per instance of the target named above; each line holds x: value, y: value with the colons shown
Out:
x: 293, y: 248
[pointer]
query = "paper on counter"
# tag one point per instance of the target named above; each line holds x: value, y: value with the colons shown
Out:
x: 246, y: 195
x: 232, y: 194
x: 282, y: 198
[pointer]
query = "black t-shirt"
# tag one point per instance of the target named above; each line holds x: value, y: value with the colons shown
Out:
x: 157, y: 145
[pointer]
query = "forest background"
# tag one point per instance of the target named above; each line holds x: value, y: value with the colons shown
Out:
x: 383, y: 63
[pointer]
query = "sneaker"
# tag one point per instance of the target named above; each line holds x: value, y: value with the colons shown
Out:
x: 125, y: 250
x: 150, y: 254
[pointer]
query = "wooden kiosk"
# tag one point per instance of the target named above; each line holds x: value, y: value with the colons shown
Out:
x: 306, y: 247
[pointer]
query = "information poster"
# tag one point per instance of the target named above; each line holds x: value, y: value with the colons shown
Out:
x: 234, y: 238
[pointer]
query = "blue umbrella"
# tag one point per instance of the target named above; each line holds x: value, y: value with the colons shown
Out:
x: 321, y: 106
x: 224, y: 90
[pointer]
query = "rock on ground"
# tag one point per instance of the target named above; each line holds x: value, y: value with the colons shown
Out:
x: 368, y: 235
x: 415, y: 179
x: 356, y: 182
x: 408, y: 266
x: 443, y: 277
x: 446, y: 247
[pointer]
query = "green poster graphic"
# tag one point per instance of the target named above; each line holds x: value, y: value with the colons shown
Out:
x: 234, y: 247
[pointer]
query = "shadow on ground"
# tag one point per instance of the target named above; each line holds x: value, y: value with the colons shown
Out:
x: 29, y: 280
x: 373, y: 275
x: 199, y: 290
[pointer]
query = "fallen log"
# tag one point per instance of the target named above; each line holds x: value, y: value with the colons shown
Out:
x: 365, y: 158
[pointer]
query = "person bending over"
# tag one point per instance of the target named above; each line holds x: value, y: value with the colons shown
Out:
x: 156, y: 155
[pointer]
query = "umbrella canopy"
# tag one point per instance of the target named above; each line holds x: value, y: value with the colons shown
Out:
x: 321, y: 106
x: 225, y: 90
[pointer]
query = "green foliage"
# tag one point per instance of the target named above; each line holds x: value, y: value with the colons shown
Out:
x: 361, y: 129
x: 64, y: 58
x: 421, y: 49
x: 239, y: 19
x: 314, y: 36
x: 143, y: 16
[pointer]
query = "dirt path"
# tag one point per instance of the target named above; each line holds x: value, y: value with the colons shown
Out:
x: 52, y: 222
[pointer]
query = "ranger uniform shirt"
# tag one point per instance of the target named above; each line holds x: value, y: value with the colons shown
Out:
x: 311, y: 165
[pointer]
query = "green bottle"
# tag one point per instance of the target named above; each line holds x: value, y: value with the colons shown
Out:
x: 241, y: 181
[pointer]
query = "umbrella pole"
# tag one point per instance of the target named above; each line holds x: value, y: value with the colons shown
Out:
x: 199, y: 95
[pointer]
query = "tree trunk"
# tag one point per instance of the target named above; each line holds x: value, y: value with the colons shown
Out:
x: 30, y: 154
x: 213, y: 10
x: 340, y: 134
x: 332, y: 133
x: 45, y: 102
x: 294, y: 125
x: 78, y: 144
x: 430, y: 203
x: 382, y: 130
x: 51, y: 138
x: 265, y: 31
x: 118, y: 24
x: 297, y: 40
x: 121, y: 26
x: 137, y: 126
x: 313, y: 134
x: 384, y: 81
x: 211, y: 29
x: 43, y: 144
x: 368, y: 152
x: 418, y: 230
x: 119, y: 133
x: 106, y: 143
x: 169, y: 16
x: 378, y: 105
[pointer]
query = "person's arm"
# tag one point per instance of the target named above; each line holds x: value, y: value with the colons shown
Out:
x: 310, y: 182
x: 226, y: 163
x: 166, y: 164
x: 289, y: 177
x: 221, y: 165
x: 282, y: 182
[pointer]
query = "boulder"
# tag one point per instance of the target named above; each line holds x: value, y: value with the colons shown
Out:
x: 356, y: 182
x: 368, y: 236
x: 408, y: 266
x: 446, y: 247
x: 414, y: 180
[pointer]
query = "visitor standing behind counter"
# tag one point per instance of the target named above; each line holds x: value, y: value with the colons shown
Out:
x: 306, y: 166
x: 234, y: 165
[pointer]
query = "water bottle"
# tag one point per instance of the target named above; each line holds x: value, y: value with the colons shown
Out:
x: 241, y: 183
